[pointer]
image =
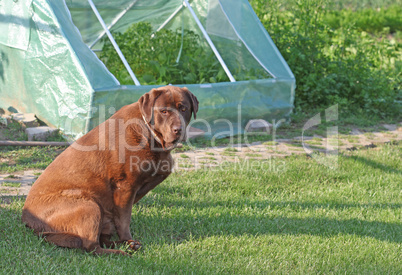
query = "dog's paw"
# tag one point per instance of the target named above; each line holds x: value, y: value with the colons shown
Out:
x: 134, y: 245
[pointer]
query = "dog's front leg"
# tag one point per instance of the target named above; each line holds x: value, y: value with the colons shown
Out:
x: 123, y: 203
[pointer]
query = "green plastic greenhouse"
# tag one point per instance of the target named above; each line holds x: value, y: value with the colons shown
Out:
x: 53, y: 64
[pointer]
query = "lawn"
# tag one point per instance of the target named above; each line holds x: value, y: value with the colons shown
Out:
x: 288, y: 215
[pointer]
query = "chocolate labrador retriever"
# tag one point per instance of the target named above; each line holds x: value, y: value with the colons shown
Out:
x: 87, y: 193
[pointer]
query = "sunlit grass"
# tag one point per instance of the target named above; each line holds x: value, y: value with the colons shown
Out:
x: 289, y: 215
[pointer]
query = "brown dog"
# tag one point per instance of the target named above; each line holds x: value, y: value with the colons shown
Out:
x: 87, y: 193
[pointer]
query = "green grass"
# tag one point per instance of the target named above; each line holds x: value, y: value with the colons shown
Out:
x: 14, y: 131
x: 363, y: 4
x: 231, y: 149
x: 279, y: 216
x: 24, y: 158
x: 186, y: 165
x: 369, y: 135
x: 343, y: 4
x: 184, y: 156
x: 270, y: 143
x: 314, y: 141
x: 11, y: 184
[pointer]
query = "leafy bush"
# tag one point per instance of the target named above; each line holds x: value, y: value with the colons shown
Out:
x: 154, y: 58
x: 335, y: 63
x: 368, y: 20
x: 348, y: 57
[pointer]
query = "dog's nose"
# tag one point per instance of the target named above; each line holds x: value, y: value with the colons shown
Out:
x: 176, y: 130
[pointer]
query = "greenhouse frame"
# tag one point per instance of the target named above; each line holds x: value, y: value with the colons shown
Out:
x: 50, y: 61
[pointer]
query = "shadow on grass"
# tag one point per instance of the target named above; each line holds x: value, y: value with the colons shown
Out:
x: 223, y: 222
x: 226, y: 223
x: 377, y: 165
x: 198, y: 220
x: 237, y: 225
x: 259, y: 221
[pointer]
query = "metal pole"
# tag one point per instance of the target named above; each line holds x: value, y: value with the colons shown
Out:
x: 33, y: 143
x: 211, y: 44
x: 170, y: 17
x: 118, y: 17
x: 137, y: 83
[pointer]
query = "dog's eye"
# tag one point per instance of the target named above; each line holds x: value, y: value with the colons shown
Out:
x: 183, y: 109
x: 165, y: 112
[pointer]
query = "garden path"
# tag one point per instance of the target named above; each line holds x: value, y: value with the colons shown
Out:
x: 19, y: 183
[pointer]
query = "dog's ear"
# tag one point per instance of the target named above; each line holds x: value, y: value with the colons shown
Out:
x: 147, y: 102
x: 193, y: 100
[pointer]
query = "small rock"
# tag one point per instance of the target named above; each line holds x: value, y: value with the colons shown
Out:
x: 3, y: 121
x: 256, y: 143
x: 390, y: 127
x: 29, y: 120
x: 240, y: 145
x: 11, y: 110
x: 286, y: 140
x: 302, y: 138
x: 39, y: 133
x: 355, y: 132
x: 371, y: 145
x: 258, y: 125
x: 194, y: 132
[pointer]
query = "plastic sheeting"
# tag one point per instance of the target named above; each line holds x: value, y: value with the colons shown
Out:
x: 56, y: 75
x: 14, y: 23
x: 60, y: 79
x: 225, y: 107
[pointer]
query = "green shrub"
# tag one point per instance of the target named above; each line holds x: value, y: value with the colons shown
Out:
x: 368, y: 20
x: 154, y: 58
x: 334, y: 64
x: 347, y: 57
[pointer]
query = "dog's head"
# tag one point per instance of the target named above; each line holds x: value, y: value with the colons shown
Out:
x: 167, y: 111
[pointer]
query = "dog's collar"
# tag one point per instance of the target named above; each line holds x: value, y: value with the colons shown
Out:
x: 152, y: 131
